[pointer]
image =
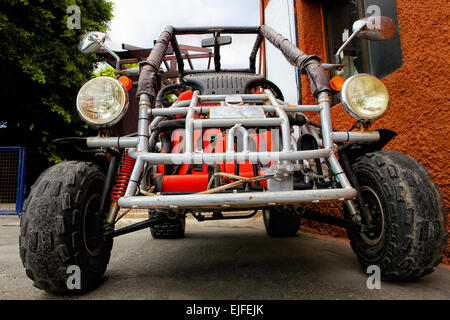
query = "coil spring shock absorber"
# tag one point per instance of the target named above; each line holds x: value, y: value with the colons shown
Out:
x: 121, y: 187
x: 123, y: 178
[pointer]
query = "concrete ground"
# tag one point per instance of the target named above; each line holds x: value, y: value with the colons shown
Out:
x: 222, y: 260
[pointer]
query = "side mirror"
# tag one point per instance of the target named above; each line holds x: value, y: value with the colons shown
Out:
x: 377, y: 28
x: 216, y: 41
x: 91, y: 42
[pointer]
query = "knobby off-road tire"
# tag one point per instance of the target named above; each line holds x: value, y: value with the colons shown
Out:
x: 408, y: 214
x: 281, y: 222
x: 61, y: 226
x: 170, y: 228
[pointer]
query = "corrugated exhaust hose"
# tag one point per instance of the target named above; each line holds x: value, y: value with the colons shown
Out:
x: 309, y: 64
x: 149, y: 70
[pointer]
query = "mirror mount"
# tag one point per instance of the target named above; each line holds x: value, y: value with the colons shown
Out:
x: 111, y: 52
x: 216, y: 41
x: 93, y: 41
x: 358, y: 26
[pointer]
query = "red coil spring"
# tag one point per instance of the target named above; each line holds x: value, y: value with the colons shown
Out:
x: 123, y: 178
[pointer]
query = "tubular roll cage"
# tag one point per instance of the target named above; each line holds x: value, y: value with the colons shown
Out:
x: 139, y: 146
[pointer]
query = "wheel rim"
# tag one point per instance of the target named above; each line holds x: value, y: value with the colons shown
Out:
x: 92, y: 228
x: 376, y: 212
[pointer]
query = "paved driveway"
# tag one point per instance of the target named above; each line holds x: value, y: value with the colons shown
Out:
x: 223, y: 260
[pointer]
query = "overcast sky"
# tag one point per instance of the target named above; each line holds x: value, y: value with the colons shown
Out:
x: 140, y: 22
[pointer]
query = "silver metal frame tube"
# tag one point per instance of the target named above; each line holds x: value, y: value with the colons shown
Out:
x: 285, y: 126
x: 305, y: 108
x: 245, y: 97
x: 237, y: 199
x: 189, y: 128
x: 218, y: 123
x: 143, y: 124
x: 211, y: 158
x: 131, y: 142
x: 325, y: 119
x: 160, y: 117
x: 167, y: 112
x: 135, y: 177
x: 356, y: 136
x: 230, y: 138
x: 339, y: 172
x: 112, y: 142
x: 142, y: 146
x: 175, y: 110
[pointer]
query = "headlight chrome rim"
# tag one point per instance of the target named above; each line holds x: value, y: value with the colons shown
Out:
x: 347, y: 105
x: 118, y: 115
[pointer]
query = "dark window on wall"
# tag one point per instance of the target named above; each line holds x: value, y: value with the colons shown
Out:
x: 361, y: 56
x: 385, y: 56
x: 339, y: 16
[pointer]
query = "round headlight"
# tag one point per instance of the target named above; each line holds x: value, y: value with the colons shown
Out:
x: 102, y: 101
x: 365, y: 97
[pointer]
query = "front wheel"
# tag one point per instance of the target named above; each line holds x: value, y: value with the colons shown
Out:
x: 61, y: 230
x: 406, y: 229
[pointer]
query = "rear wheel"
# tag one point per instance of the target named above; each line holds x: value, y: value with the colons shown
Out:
x: 406, y: 229
x: 281, y: 221
x: 171, y: 228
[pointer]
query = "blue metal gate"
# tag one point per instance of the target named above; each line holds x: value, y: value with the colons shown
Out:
x: 12, y: 180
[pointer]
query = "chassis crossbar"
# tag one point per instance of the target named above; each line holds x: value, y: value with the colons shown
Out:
x: 250, y: 199
x: 215, y: 158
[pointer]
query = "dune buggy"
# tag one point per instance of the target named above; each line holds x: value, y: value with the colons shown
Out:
x: 228, y: 147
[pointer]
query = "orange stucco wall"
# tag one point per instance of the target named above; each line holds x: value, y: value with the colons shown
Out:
x: 420, y: 108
